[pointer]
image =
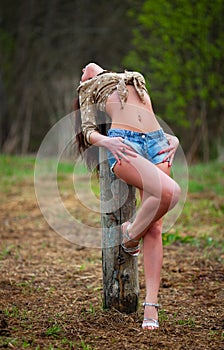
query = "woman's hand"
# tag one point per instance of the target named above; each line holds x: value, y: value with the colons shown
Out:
x: 115, y: 145
x: 174, y: 143
x: 119, y: 149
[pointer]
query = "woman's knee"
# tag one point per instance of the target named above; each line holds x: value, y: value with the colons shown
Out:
x: 171, y: 195
x: 176, y: 195
x: 156, y: 229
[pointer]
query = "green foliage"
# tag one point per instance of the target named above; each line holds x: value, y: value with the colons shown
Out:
x: 179, y: 45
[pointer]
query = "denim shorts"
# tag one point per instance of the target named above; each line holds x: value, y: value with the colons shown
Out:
x: 148, y: 145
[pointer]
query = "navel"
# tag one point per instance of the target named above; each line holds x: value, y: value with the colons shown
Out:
x: 139, y: 118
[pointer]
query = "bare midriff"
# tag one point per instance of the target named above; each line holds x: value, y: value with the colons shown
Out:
x: 135, y: 116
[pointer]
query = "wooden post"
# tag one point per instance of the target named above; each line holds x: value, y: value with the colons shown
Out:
x: 120, y: 270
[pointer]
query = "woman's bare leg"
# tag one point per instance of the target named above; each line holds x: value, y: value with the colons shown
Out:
x: 153, y: 258
x: 159, y: 192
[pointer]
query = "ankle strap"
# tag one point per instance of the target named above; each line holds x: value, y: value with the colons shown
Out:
x: 151, y: 304
x: 127, y: 236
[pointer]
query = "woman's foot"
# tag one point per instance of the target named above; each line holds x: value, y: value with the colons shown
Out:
x: 129, y: 244
x: 150, y: 321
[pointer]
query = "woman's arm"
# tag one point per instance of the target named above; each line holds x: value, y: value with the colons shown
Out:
x: 115, y: 145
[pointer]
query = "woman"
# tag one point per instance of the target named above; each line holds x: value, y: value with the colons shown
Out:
x: 140, y: 154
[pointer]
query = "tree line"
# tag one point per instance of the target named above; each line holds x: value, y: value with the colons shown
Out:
x: 177, y: 45
x: 180, y: 45
x: 43, y: 46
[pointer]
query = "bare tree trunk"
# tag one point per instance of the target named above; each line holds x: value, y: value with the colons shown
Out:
x: 2, y: 112
x: 21, y: 77
x: 194, y: 145
x: 205, y: 139
x: 14, y: 136
x: 27, y: 123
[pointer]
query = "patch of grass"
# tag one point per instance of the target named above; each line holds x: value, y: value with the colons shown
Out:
x: 204, y: 241
x: 9, y: 342
x: 187, y: 322
x: 13, y: 312
x: 199, y: 223
x: 6, y: 250
x: 68, y: 343
x: 91, y: 309
x: 15, y: 166
x: 163, y: 315
x: 85, y: 346
x: 14, y: 169
x: 207, y: 177
x: 26, y: 344
x: 53, y: 331
x: 27, y: 286
x: 202, y: 177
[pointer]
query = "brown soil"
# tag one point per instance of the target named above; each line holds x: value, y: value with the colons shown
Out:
x: 51, y: 291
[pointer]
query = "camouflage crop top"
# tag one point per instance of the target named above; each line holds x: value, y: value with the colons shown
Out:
x: 94, y: 92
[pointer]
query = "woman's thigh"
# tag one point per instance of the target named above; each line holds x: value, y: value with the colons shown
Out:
x: 163, y: 167
x: 150, y: 179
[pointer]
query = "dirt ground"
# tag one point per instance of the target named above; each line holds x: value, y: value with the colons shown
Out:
x: 51, y: 291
